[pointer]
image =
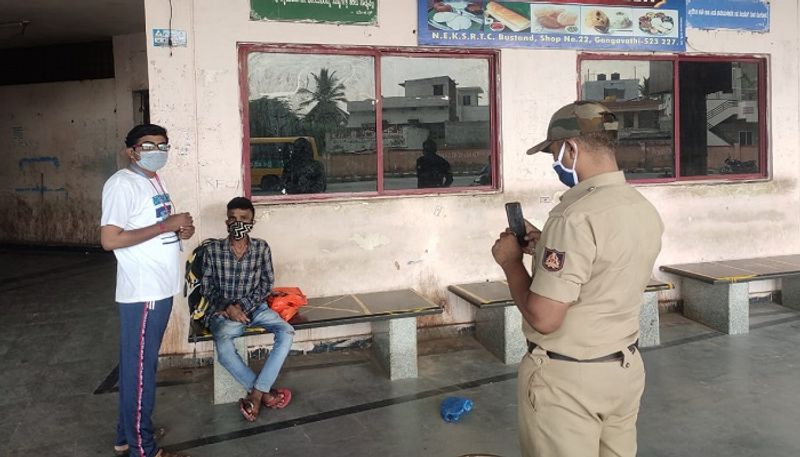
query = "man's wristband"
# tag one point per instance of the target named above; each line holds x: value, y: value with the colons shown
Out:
x: 162, y: 227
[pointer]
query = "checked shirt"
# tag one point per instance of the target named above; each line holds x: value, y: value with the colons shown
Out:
x: 246, y: 281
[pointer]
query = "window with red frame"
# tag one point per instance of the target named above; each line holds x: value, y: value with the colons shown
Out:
x: 313, y: 117
x: 683, y: 117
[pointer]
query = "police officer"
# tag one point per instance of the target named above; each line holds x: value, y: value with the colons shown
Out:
x: 580, y: 383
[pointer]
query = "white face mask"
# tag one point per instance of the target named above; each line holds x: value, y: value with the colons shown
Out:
x: 568, y: 176
x: 152, y: 161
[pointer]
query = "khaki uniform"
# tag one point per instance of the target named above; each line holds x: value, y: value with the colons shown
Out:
x: 596, y: 253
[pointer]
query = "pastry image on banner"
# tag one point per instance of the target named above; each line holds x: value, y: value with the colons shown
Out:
x: 555, y: 18
x: 513, y: 16
x: 607, y: 21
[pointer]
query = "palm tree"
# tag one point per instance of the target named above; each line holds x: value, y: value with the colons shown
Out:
x: 644, y: 88
x: 327, y: 95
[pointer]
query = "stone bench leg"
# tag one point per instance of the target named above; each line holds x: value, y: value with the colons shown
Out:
x: 723, y: 307
x: 649, y: 325
x: 395, y: 345
x: 499, y: 330
x: 226, y: 388
x: 790, y: 292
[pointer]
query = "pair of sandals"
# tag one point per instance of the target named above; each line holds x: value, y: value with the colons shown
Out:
x: 279, y: 400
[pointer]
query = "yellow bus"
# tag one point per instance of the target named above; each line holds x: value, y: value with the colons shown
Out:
x: 267, y: 157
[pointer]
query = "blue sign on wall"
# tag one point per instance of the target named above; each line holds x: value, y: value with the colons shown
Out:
x: 752, y: 15
x: 169, y: 38
x: 621, y: 25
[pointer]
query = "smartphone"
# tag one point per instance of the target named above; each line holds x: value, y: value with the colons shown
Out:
x: 516, y: 222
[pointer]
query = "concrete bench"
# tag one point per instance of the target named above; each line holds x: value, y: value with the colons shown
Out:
x: 716, y: 294
x: 393, y: 315
x: 498, y: 323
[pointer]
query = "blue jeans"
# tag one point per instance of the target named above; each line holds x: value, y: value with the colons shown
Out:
x: 225, y: 330
x: 142, y: 327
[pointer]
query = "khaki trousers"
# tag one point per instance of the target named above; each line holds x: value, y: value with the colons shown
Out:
x: 571, y: 409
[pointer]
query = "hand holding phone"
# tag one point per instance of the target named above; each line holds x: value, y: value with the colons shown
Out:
x: 516, y: 222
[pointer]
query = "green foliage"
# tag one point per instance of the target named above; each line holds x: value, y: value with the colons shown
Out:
x: 270, y: 117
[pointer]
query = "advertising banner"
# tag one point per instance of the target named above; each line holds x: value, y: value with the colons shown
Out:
x: 623, y: 25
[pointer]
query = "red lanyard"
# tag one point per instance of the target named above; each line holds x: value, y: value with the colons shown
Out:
x: 162, y: 194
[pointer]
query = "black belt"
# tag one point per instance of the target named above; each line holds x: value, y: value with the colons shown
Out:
x: 606, y: 358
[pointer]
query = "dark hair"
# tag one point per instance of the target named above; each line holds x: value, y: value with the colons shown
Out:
x: 139, y: 131
x: 241, y: 203
x: 429, y: 146
x: 606, y: 140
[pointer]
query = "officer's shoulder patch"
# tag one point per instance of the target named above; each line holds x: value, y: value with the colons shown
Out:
x: 553, y: 260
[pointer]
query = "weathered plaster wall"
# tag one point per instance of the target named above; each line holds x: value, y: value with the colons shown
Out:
x: 58, y: 144
x: 431, y: 241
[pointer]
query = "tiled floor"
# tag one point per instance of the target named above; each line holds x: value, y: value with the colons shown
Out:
x: 707, y: 394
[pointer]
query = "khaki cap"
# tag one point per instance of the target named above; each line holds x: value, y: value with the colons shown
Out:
x: 576, y: 119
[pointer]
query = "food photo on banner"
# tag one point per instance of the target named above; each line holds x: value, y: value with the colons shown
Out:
x: 626, y: 25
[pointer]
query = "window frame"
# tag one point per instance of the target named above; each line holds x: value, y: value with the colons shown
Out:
x: 492, y: 56
x: 763, y: 153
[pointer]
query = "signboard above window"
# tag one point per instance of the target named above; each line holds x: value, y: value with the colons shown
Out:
x: 751, y: 15
x: 361, y: 12
x: 622, y: 25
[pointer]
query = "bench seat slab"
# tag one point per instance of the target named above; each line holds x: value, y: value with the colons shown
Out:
x: 394, y: 343
x: 723, y: 307
x: 226, y: 388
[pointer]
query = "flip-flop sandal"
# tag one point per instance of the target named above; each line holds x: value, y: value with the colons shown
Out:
x: 246, y: 407
x: 124, y: 450
x: 280, y: 398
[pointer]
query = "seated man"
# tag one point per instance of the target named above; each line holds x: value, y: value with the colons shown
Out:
x: 237, y: 279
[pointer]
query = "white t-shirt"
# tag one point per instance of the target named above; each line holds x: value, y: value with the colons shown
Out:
x: 150, y: 270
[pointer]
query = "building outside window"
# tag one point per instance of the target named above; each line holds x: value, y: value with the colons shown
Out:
x: 683, y: 117
x: 332, y: 101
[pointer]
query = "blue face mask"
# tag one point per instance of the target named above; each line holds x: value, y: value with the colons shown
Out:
x: 152, y: 161
x: 568, y: 176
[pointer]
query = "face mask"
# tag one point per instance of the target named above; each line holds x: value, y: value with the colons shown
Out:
x: 239, y: 229
x: 568, y: 176
x: 152, y: 161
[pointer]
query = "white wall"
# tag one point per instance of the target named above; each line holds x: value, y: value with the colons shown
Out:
x: 429, y: 242
x: 58, y: 144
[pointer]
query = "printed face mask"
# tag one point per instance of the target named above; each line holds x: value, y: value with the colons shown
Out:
x: 568, y: 176
x: 239, y: 229
x: 152, y: 161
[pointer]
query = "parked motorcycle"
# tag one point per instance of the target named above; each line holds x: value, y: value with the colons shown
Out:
x: 737, y: 167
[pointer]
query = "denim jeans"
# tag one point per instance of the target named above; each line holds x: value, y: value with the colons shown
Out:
x: 225, y: 330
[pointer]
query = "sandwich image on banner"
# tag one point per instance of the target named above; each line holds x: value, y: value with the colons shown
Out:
x: 508, y: 17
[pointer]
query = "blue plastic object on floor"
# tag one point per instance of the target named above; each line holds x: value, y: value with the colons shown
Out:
x: 453, y: 409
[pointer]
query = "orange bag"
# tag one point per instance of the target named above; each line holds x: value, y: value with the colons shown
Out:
x: 286, y: 301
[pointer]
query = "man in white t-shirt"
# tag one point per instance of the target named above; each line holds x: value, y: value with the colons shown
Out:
x: 140, y: 224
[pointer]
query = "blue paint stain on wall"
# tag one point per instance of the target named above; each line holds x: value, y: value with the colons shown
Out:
x: 31, y: 160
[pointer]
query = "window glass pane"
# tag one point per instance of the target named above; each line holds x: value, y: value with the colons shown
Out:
x: 312, y: 123
x: 640, y: 92
x: 441, y: 106
x: 719, y: 118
